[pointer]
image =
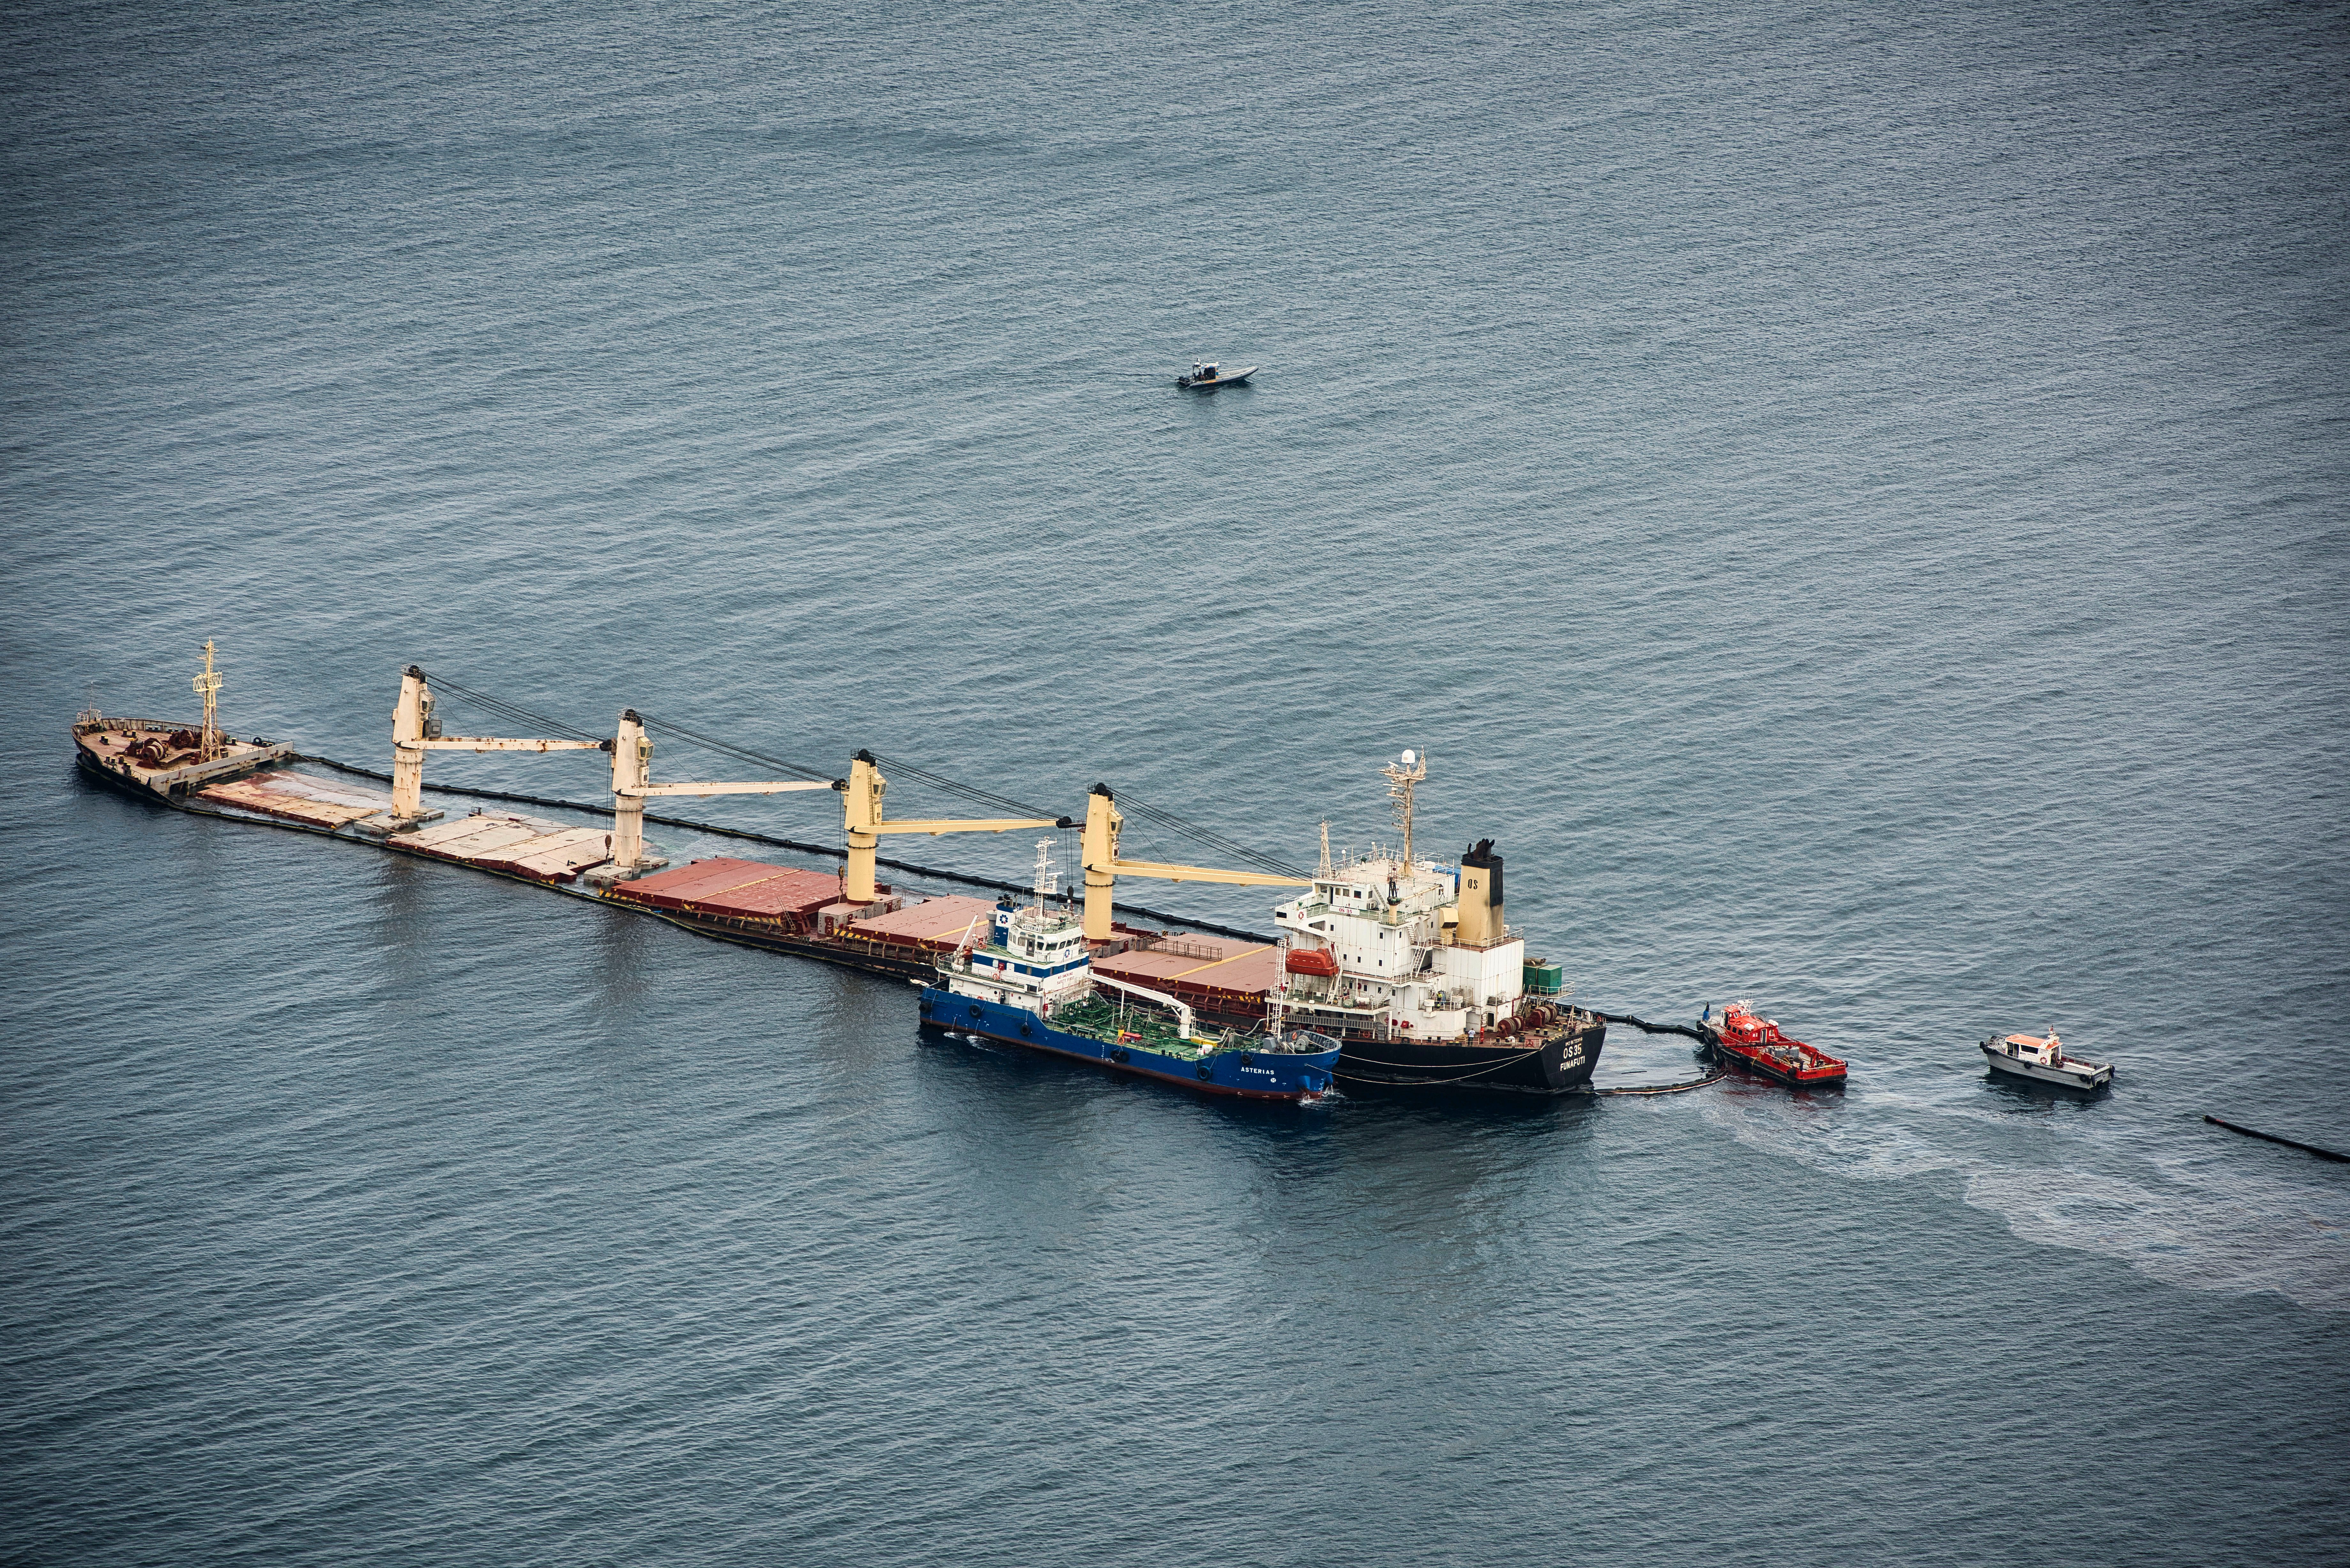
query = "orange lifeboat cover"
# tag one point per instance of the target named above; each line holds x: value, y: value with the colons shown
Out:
x: 1312, y: 961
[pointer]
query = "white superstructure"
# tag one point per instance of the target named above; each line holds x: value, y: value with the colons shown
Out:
x: 1388, y: 933
x: 1033, y: 957
x: 1388, y: 943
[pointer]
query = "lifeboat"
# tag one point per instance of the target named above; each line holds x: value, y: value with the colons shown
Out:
x: 1312, y: 961
x: 1743, y: 1036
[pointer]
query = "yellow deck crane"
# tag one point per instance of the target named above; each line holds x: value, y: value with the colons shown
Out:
x: 861, y: 795
x: 862, y: 807
x: 1103, y: 868
x: 632, y: 755
x: 414, y: 731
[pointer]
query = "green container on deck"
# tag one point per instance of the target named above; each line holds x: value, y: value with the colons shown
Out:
x: 1543, y: 979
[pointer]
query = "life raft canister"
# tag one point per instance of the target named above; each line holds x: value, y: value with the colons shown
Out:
x: 1312, y: 961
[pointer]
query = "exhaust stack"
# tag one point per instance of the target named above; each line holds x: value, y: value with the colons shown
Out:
x: 1481, y: 895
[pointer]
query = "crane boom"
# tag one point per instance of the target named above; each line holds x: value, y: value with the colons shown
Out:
x: 1103, y: 866
x: 414, y: 731
x: 1183, y: 1024
x: 498, y: 743
x: 632, y: 785
x: 861, y: 812
x: 1167, y: 872
x: 964, y: 825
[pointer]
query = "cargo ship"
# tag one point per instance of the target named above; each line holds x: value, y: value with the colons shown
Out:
x: 1407, y: 963
x: 1743, y: 1038
x: 842, y: 915
x: 1027, y: 978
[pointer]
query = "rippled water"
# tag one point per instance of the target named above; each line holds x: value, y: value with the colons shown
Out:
x: 1854, y: 506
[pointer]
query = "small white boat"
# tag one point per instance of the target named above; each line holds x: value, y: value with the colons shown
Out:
x: 1206, y: 376
x: 2042, y: 1059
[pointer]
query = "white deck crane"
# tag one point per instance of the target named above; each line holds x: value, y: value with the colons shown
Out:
x: 414, y: 731
x: 632, y: 755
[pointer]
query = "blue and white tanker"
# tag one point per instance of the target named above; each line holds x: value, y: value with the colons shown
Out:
x: 1032, y: 982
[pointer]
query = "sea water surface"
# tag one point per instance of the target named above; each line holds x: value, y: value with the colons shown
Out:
x: 1853, y: 503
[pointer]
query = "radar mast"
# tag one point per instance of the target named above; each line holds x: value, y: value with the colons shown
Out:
x: 208, y: 687
x: 1403, y: 777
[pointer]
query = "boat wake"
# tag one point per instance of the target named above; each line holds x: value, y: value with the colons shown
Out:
x: 2182, y: 1222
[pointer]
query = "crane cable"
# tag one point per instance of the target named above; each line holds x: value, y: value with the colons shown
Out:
x: 1229, y: 847
x: 511, y: 712
x: 971, y: 793
x: 740, y: 754
x: 514, y: 713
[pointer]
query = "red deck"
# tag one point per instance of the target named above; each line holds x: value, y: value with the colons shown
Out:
x: 791, y: 892
x: 1221, y: 969
x: 934, y: 925
x: 694, y: 886
x: 755, y: 890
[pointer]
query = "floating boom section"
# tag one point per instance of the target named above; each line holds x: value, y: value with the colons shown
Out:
x: 632, y: 756
x: 1103, y: 867
x: 862, y: 807
x: 414, y: 731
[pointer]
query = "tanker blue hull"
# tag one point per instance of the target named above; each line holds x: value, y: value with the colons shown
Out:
x: 1252, y: 1075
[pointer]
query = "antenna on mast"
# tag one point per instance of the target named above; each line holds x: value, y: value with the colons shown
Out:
x: 1045, y: 876
x: 1322, y: 871
x: 1402, y: 778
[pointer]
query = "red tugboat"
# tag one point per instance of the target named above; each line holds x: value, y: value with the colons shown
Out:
x: 1743, y: 1036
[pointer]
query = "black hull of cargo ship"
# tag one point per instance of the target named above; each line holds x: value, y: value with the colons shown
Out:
x: 1560, y: 1066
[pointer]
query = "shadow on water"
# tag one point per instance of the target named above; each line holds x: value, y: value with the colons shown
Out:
x: 2030, y: 1097
x: 1070, y: 1147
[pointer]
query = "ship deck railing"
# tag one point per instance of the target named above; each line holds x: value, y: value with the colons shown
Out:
x: 1509, y: 934
x: 130, y: 726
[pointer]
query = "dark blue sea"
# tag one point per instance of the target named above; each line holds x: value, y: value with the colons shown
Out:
x: 1854, y: 503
